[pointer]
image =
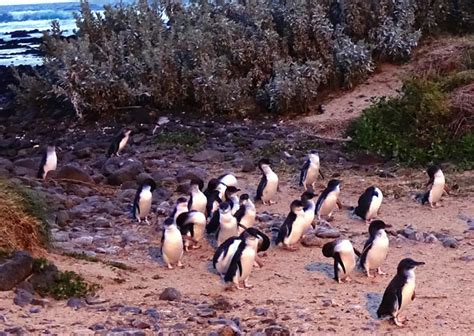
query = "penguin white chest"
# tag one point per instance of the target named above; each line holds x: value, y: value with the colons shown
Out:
x: 297, y: 230
x: 144, y: 203
x: 312, y: 173
x: 248, y: 220
x: 408, y: 289
x: 199, y: 221
x: 349, y: 261
x: 374, y: 207
x: 172, y: 245
x: 271, y: 188
x: 436, y: 192
x: 378, y: 252
x: 199, y: 202
x: 122, y: 143
x: 247, y: 260
x: 308, y: 217
x: 329, y: 204
x: 51, y: 162
x: 227, y: 228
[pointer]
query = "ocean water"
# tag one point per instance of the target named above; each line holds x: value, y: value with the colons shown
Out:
x: 14, y: 18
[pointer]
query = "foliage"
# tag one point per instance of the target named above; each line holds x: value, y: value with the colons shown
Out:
x: 227, y: 57
x: 418, y: 127
x: 23, y: 214
x: 187, y: 139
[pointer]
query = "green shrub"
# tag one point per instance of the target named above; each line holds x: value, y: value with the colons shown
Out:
x: 415, y: 128
x: 187, y: 139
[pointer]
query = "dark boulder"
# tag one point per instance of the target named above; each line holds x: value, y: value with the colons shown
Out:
x: 15, y: 269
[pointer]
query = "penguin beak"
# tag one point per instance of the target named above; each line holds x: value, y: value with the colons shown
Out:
x: 388, y: 225
x: 418, y: 263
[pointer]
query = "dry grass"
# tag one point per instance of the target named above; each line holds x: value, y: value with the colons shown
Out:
x: 22, y: 217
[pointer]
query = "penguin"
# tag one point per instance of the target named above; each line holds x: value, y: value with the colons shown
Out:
x: 227, y: 223
x: 369, y: 204
x: 211, y: 186
x: 197, y: 199
x: 232, y: 198
x: 268, y: 186
x: 143, y: 199
x: 344, y: 255
x: 241, y: 264
x: 213, y: 201
x: 310, y: 171
x: 246, y: 214
x: 180, y: 207
x: 375, y: 248
x: 437, y: 185
x: 172, y: 244
x: 49, y: 162
x: 225, y: 252
x: 293, y: 227
x: 308, y: 199
x: 118, y: 142
x: 228, y: 180
x: 192, y: 224
x: 400, y: 291
x: 328, y: 200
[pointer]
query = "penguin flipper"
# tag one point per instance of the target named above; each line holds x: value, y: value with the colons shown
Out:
x: 113, y: 148
x: 338, y: 261
x: 285, y: 228
x: 392, y: 299
x: 41, y: 167
x: 304, y: 172
x: 213, y: 224
x: 357, y: 252
x: 239, y: 214
x: 321, y: 173
x: 363, y: 255
x: 235, y: 264
x: 261, y: 187
x: 223, y: 249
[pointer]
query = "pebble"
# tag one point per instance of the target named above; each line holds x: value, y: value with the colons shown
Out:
x: 76, y: 303
x: 325, y: 232
x: 450, y: 242
x: 170, y: 294
x: 22, y: 298
x: 312, y: 241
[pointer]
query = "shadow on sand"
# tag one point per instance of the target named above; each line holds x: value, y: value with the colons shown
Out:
x: 372, y: 303
x: 324, y: 268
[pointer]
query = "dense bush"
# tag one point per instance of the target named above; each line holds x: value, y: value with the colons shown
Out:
x: 431, y: 121
x: 232, y: 58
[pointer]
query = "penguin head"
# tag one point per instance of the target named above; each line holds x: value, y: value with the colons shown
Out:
x: 197, y: 182
x: 334, y: 184
x: 433, y: 171
x: 328, y: 249
x: 297, y: 207
x: 408, y: 264
x: 263, y: 240
x: 212, y: 184
x: 264, y: 165
x: 181, y: 202
x: 244, y: 198
x: 231, y: 191
x: 224, y: 207
x: 168, y: 222
x: 377, y: 225
x: 51, y: 148
x: 313, y: 156
x: 150, y: 183
x: 307, y: 195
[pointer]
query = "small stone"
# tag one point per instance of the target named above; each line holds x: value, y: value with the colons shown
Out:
x: 226, y: 331
x: 152, y: 313
x: 95, y: 300
x: 222, y: 303
x: 431, y: 239
x: 216, y: 321
x: 260, y: 311
x: 22, y: 298
x: 276, y: 330
x: 311, y: 241
x: 97, y: 327
x: 248, y: 166
x: 207, y: 312
x: 140, y: 324
x: 62, y: 218
x: 450, y: 242
x: 208, y: 155
x: 325, y: 232
x: 15, y: 270
x: 170, y: 294
x: 85, y: 240
x: 130, y: 310
x: 75, y: 303
x: 40, y: 302
x: 35, y: 310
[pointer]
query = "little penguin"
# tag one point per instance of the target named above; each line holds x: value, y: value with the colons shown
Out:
x: 369, y: 204
x: 376, y: 247
x: 143, y: 199
x: 308, y: 199
x: 225, y: 252
x: 293, y: 227
x: 344, y: 255
x: 328, y: 200
x: 197, y: 199
x: 172, y: 244
x: 400, y: 291
x: 232, y: 198
x: 227, y: 223
x: 437, y: 184
x: 268, y: 186
x: 49, y: 162
x: 180, y: 207
x: 192, y: 224
x: 228, y: 180
x: 118, y: 142
x: 246, y: 214
x: 310, y: 171
x: 241, y: 264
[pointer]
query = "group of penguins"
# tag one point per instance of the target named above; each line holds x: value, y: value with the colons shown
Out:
x: 219, y: 210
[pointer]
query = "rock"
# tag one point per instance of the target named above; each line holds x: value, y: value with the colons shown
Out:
x: 276, y: 330
x: 85, y: 240
x: 126, y: 173
x: 208, y: 155
x: 139, y: 324
x: 142, y: 177
x: 170, y: 294
x: 70, y: 172
x: 28, y: 163
x: 226, y: 331
x: 22, y: 298
x: 40, y: 302
x: 95, y: 300
x: 130, y: 311
x: 326, y: 232
x: 450, y: 242
x: 206, y: 312
x: 35, y: 310
x: 44, y: 278
x: 83, y: 153
x: 311, y: 241
x: 222, y: 303
x: 153, y: 313
x: 6, y: 164
x: 260, y: 311
x: 60, y: 236
x: 62, y: 218
x: 431, y: 239
x: 76, y: 303
x: 15, y: 270
x: 17, y: 331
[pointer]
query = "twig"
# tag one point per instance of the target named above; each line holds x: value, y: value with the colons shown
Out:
x: 444, y: 296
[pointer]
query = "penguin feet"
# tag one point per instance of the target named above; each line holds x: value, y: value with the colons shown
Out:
x: 180, y: 264
x: 247, y: 285
x: 379, y: 271
x: 170, y: 267
x: 398, y: 321
x: 369, y: 275
x: 290, y: 248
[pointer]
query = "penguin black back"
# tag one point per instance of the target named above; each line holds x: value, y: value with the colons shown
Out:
x: 332, y: 185
x: 287, y: 226
x: 364, y: 202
